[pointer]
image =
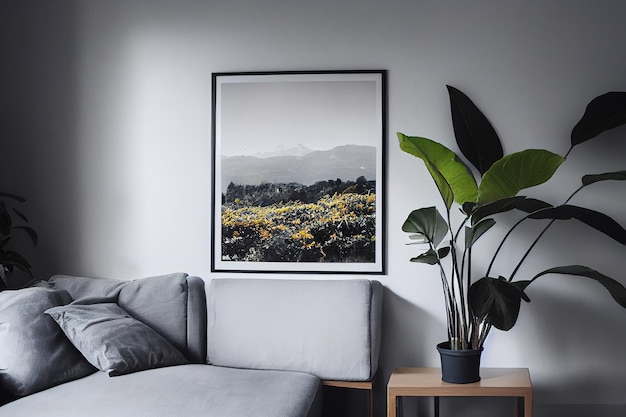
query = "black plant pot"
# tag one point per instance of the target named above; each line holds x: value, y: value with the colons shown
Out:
x: 459, y: 366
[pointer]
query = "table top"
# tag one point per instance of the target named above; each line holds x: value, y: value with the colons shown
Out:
x: 427, y: 382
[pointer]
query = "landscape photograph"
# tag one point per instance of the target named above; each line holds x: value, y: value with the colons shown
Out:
x: 298, y: 172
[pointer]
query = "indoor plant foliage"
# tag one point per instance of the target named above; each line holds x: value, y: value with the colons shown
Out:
x: 475, y: 300
x: 11, y: 220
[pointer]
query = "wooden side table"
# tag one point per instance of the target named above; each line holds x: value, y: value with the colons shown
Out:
x: 426, y: 382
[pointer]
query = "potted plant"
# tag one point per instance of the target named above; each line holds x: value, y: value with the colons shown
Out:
x: 476, y: 301
x: 10, y: 260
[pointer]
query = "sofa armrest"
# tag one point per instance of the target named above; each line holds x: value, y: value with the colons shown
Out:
x: 329, y: 328
x: 196, y: 320
x: 375, y: 320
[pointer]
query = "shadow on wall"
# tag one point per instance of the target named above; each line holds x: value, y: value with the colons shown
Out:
x: 569, y: 329
x: 40, y: 86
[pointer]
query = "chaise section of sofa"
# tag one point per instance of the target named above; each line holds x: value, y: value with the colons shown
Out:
x: 269, y: 345
x: 180, y: 391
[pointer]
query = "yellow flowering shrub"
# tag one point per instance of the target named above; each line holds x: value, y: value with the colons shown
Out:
x: 337, y: 228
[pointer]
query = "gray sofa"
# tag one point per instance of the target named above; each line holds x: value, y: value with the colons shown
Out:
x: 163, y: 346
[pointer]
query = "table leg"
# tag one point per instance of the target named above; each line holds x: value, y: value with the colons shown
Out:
x: 436, y: 403
x: 394, y: 406
x: 391, y: 405
x: 528, y: 406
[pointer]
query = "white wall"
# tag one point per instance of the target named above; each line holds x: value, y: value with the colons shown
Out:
x: 109, y: 132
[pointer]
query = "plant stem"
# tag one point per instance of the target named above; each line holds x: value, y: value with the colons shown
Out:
x: 468, y: 281
x: 519, y: 264
x: 483, y: 335
x: 545, y: 229
x: 474, y: 333
x: 447, y: 298
x: 457, y: 278
x: 449, y: 307
x: 493, y: 259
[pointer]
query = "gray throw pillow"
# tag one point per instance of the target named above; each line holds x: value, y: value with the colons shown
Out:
x: 113, y: 341
x: 34, y: 353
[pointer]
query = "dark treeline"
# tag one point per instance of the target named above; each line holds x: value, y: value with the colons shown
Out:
x: 267, y: 194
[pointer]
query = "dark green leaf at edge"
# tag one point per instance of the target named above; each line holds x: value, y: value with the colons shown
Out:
x: 13, y: 197
x: 476, y: 137
x: 5, y: 220
x: 20, y: 215
x: 602, y: 113
x: 14, y: 259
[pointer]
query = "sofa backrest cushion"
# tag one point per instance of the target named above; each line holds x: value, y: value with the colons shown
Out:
x: 329, y: 328
x: 174, y: 305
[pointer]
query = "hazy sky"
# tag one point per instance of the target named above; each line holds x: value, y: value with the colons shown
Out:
x: 261, y: 116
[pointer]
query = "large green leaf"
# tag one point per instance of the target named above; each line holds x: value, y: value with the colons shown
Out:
x: 452, y: 177
x: 616, y: 176
x: 602, y: 113
x: 428, y: 222
x: 496, y: 301
x: 517, y: 171
x: 476, y: 137
x: 617, y: 290
x: 599, y: 221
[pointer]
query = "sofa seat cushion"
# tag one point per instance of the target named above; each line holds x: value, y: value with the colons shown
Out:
x: 178, y: 391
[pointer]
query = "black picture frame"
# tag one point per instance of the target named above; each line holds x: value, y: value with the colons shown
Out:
x: 298, y: 171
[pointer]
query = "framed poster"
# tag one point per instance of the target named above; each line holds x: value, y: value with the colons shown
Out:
x: 298, y: 171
